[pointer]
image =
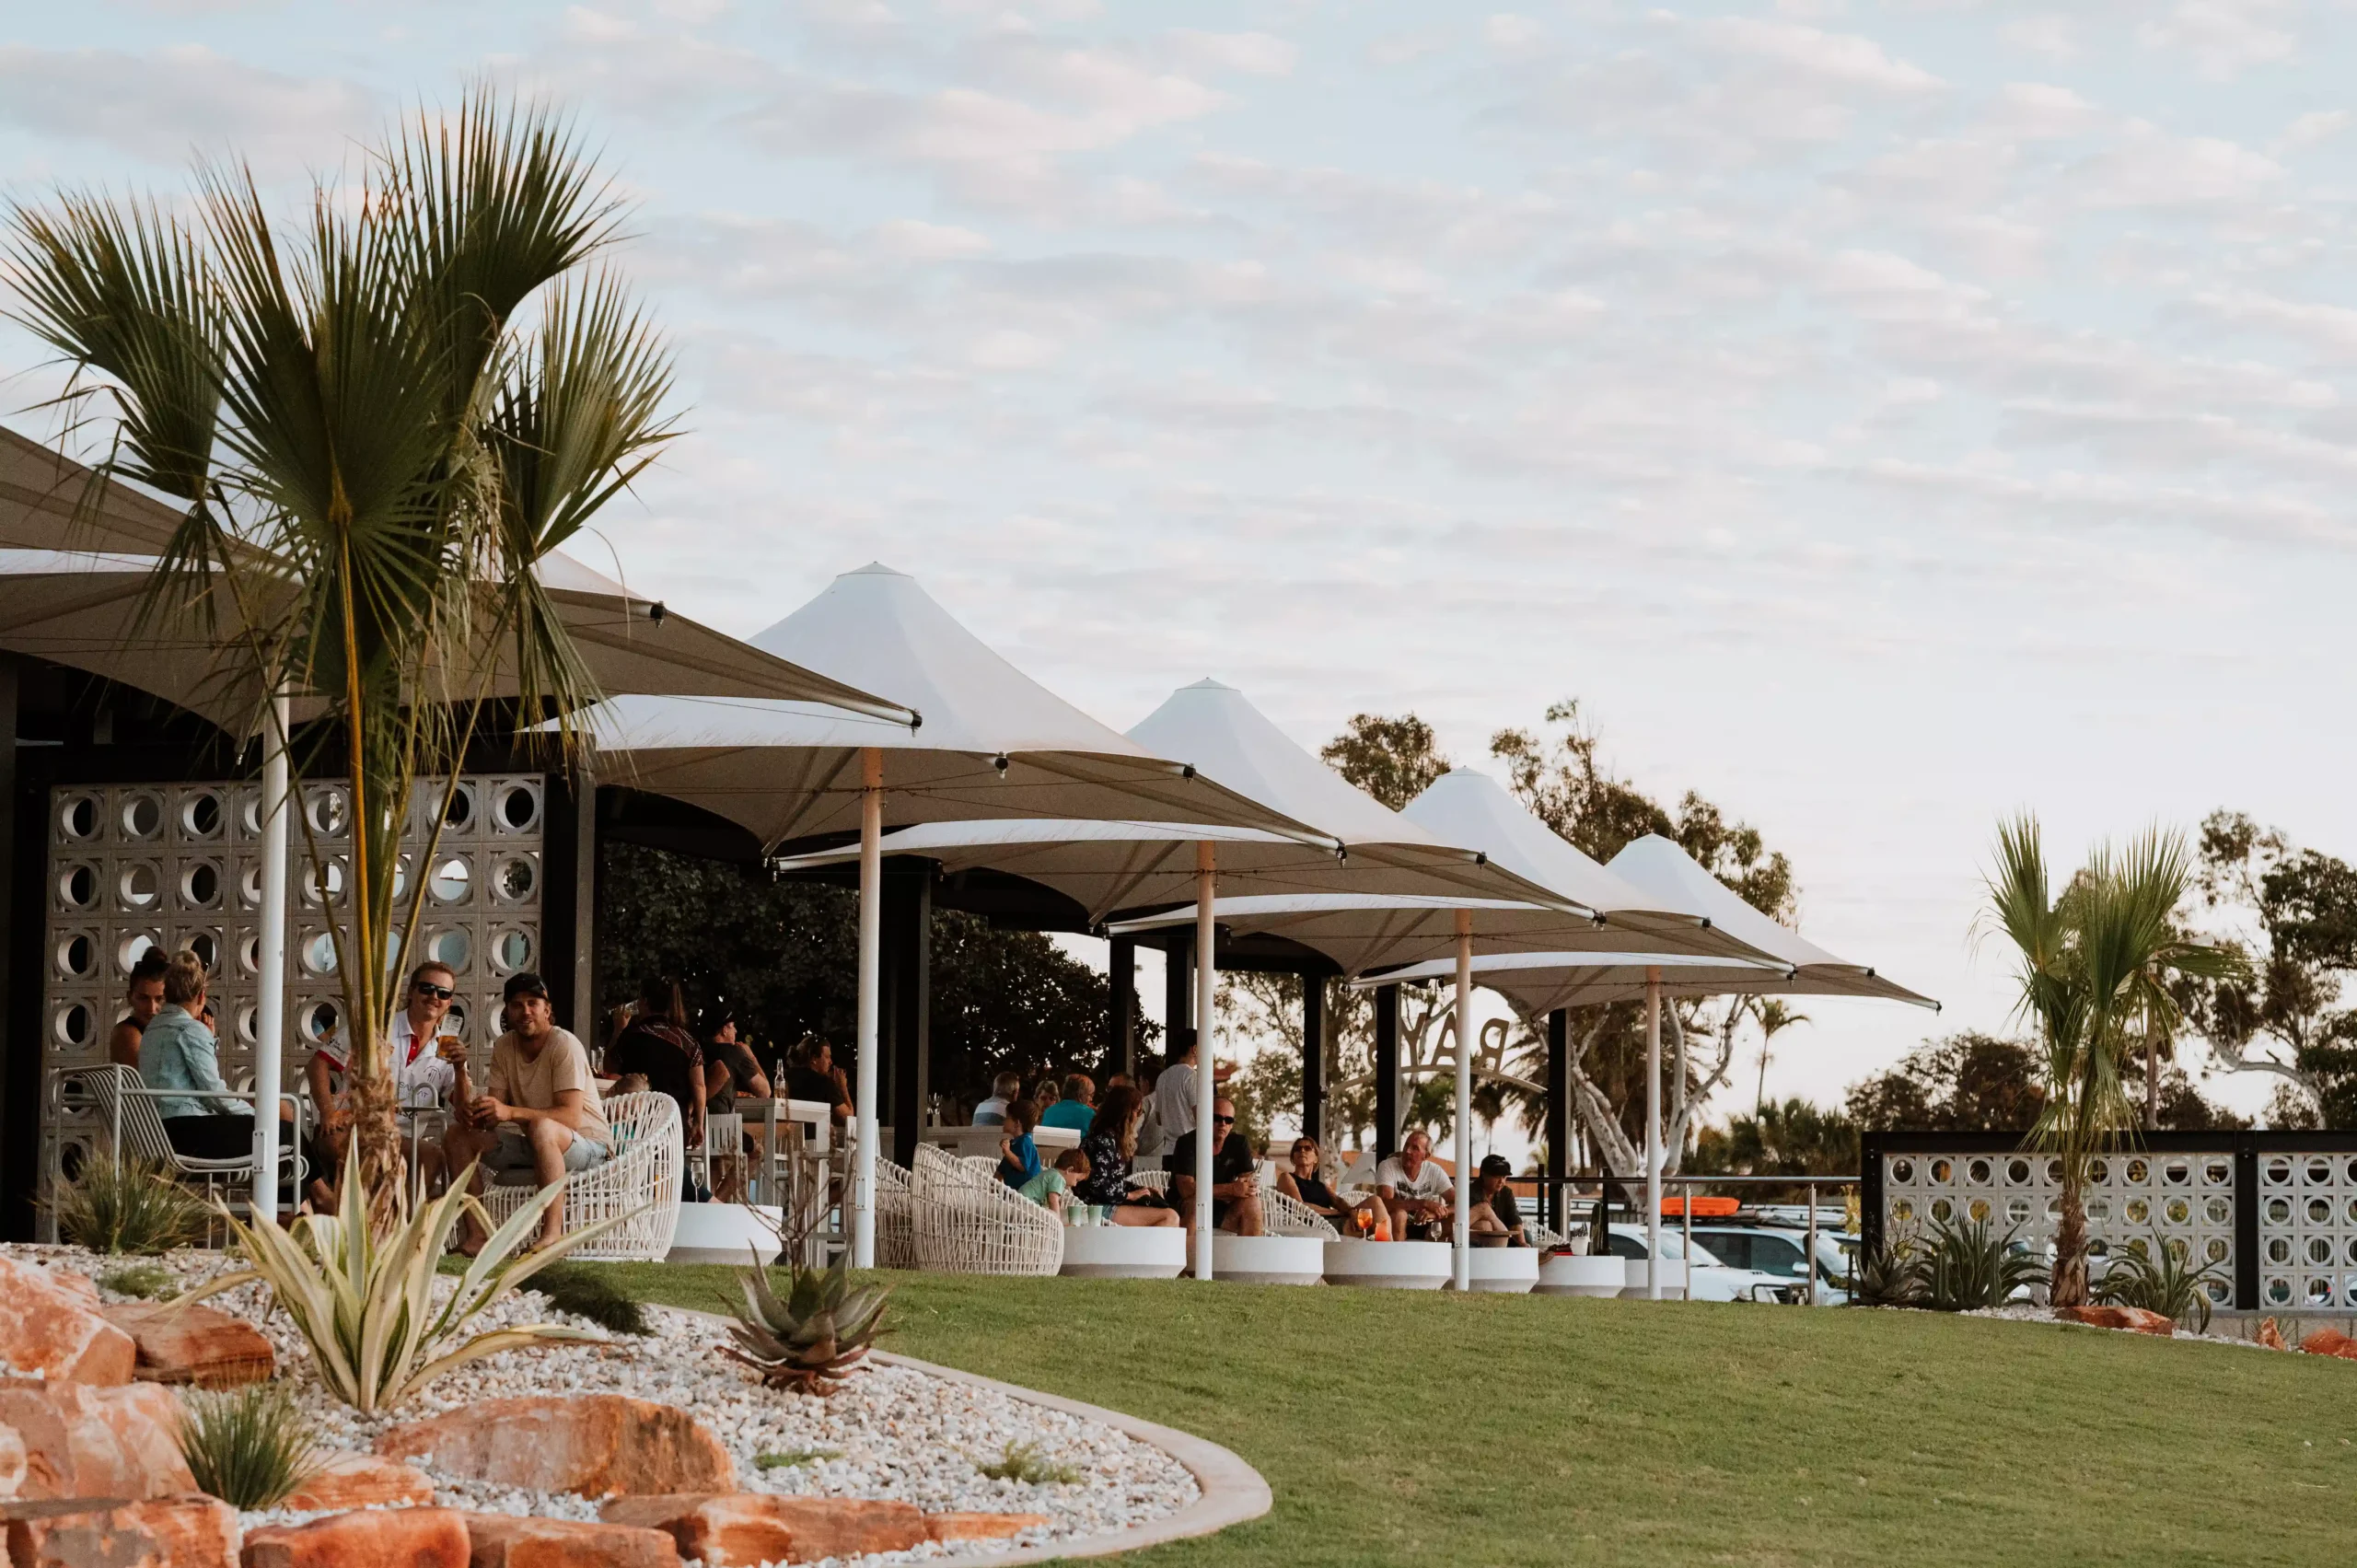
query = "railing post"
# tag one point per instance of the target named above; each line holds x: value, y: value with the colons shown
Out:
x: 1870, y: 1163
x: 1810, y: 1263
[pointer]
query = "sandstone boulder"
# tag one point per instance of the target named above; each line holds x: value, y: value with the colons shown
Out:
x: 596, y: 1446
x: 969, y: 1526
x: 389, y: 1538
x: 84, y: 1442
x: 160, y: 1532
x: 744, y: 1529
x: 51, y: 1329
x: 2331, y: 1342
x: 12, y: 1462
x: 503, y: 1540
x: 193, y: 1343
x: 2134, y: 1319
x: 361, y: 1480
x: 2270, y: 1335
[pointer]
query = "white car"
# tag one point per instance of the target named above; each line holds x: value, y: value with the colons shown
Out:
x: 1772, y: 1249
x: 1708, y: 1279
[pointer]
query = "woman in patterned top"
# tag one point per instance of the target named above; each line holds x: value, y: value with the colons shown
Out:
x: 1111, y: 1146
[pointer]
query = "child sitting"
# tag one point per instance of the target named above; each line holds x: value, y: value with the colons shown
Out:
x: 1018, y: 1157
x: 1052, y: 1189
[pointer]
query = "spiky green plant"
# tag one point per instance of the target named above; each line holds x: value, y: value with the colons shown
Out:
x: 1890, y: 1274
x: 118, y: 1206
x: 2159, y: 1277
x: 1967, y: 1266
x: 816, y: 1336
x: 365, y: 1303
x: 148, y: 1282
x: 794, y: 1458
x: 249, y: 1446
x: 1026, y: 1463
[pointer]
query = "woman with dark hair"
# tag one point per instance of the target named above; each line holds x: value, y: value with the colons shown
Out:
x: 1110, y: 1144
x: 656, y: 1042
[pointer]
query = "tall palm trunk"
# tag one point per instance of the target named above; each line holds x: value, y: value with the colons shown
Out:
x: 2070, y: 1282
x: 2151, y: 1082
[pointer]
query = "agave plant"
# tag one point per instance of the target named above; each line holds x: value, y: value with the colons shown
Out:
x: 2158, y: 1278
x: 1890, y: 1274
x: 813, y: 1339
x: 365, y: 1302
x: 1969, y: 1266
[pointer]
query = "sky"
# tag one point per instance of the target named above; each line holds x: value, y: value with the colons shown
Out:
x: 1880, y: 418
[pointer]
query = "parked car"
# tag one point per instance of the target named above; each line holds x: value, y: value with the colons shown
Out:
x: 1771, y: 1250
x: 1708, y: 1278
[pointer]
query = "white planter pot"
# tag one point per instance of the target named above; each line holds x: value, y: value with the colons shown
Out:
x: 1124, y: 1251
x: 1501, y: 1271
x: 1673, y: 1280
x: 724, y: 1233
x: 1568, y: 1273
x: 1401, y: 1265
x: 1266, y: 1260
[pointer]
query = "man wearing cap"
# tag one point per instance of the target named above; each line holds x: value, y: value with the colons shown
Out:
x: 538, y: 1117
x: 1493, y: 1218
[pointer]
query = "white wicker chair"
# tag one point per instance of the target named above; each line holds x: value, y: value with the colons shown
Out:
x: 1289, y: 1216
x: 128, y: 1109
x: 896, y: 1242
x: 966, y: 1221
x: 640, y: 1178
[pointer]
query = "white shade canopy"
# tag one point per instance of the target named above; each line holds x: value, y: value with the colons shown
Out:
x: 1540, y: 982
x: 1115, y: 866
x: 993, y: 743
x: 82, y: 611
x: 41, y: 492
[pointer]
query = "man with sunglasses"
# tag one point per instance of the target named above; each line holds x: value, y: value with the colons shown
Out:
x: 422, y: 1077
x: 1236, y: 1176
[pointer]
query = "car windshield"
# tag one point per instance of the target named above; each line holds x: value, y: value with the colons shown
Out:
x: 1631, y: 1244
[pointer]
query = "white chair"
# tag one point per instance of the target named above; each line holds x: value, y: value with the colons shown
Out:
x: 896, y: 1242
x: 640, y: 1178
x: 963, y: 1220
x: 1289, y: 1216
x: 724, y: 1143
x: 127, y: 1107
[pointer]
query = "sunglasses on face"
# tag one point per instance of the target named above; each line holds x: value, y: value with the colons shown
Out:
x: 439, y: 992
x: 1223, y: 1122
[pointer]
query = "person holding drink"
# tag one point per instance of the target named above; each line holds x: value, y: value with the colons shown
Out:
x: 425, y: 1071
x: 1365, y: 1221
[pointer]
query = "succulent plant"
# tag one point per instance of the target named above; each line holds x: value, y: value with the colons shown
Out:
x: 816, y: 1336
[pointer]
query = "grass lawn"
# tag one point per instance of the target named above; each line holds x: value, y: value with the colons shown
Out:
x: 1399, y: 1427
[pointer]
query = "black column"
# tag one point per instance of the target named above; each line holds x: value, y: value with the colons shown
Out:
x: 2245, y: 1223
x: 1387, y: 1071
x: 907, y: 1022
x: 24, y: 830
x: 1121, y: 1010
x: 569, y: 902
x: 1559, y: 1112
x: 1313, y: 1056
x: 1178, y: 998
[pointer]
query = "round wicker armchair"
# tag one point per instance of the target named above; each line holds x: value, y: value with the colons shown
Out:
x: 965, y: 1221
x: 640, y: 1178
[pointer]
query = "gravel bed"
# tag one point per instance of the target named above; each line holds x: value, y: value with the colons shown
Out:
x: 891, y: 1433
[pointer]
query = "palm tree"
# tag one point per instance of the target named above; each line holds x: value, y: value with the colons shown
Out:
x: 379, y: 421
x: 2092, y: 963
x: 1774, y: 1018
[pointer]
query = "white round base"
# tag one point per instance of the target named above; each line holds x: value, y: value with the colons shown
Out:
x: 1562, y: 1273
x: 1265, y: 1260
x: 724, y: 1233
x: 1124, y: 1251
x: 1400, y: 1265
x: 1634, y: 1286
x: 1499, y: 1271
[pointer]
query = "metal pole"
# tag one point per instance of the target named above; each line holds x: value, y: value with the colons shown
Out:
x: 1206, y: 1058
x: 1462, y: 1233
x: 871, y: 952
x: 1653, y: 1134
x: 1811, y: 1244
x: 270, y: 976
x: 1686, y: 1231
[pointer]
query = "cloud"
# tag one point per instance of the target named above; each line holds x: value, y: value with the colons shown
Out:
x: 2223, y: 38
x: 1246, y: 53
x: 161, y: 106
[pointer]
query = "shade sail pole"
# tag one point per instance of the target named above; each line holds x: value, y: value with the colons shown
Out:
x: 270, y: 1006
x: 1206, y: 1058
x: 871, y: 948
x: 1653, y: 1134
x: 1463, y: 1233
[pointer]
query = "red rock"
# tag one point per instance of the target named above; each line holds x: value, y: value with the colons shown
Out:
x: 113, y: 1532
x: 2130, y: 1317
x: 503, y: 1540
x: 389, y: 1538
x: 2270, y: 1335
x: 84, y: 1442
x: 969, y: 1526
x: 361, y: 1480
x: 597, y: 1446
x: 12, y: 1462
x: 190, y: 1342
x: 2331, y: 1342
x: 51, y: 1329
x: 743, y: 1530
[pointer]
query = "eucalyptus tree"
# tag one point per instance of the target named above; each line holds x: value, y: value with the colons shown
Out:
x: 380, y: 416
x: 2094, y: 965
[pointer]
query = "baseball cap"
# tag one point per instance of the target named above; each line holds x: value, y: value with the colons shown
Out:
x: 1496, y: 1165
x: 526, y: 984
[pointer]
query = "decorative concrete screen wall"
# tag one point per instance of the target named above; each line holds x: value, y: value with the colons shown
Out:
x: 136, y: 866
x: 2274, y: 1212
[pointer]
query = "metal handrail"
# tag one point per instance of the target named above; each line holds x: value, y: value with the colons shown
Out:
x: 1685, y: 1211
